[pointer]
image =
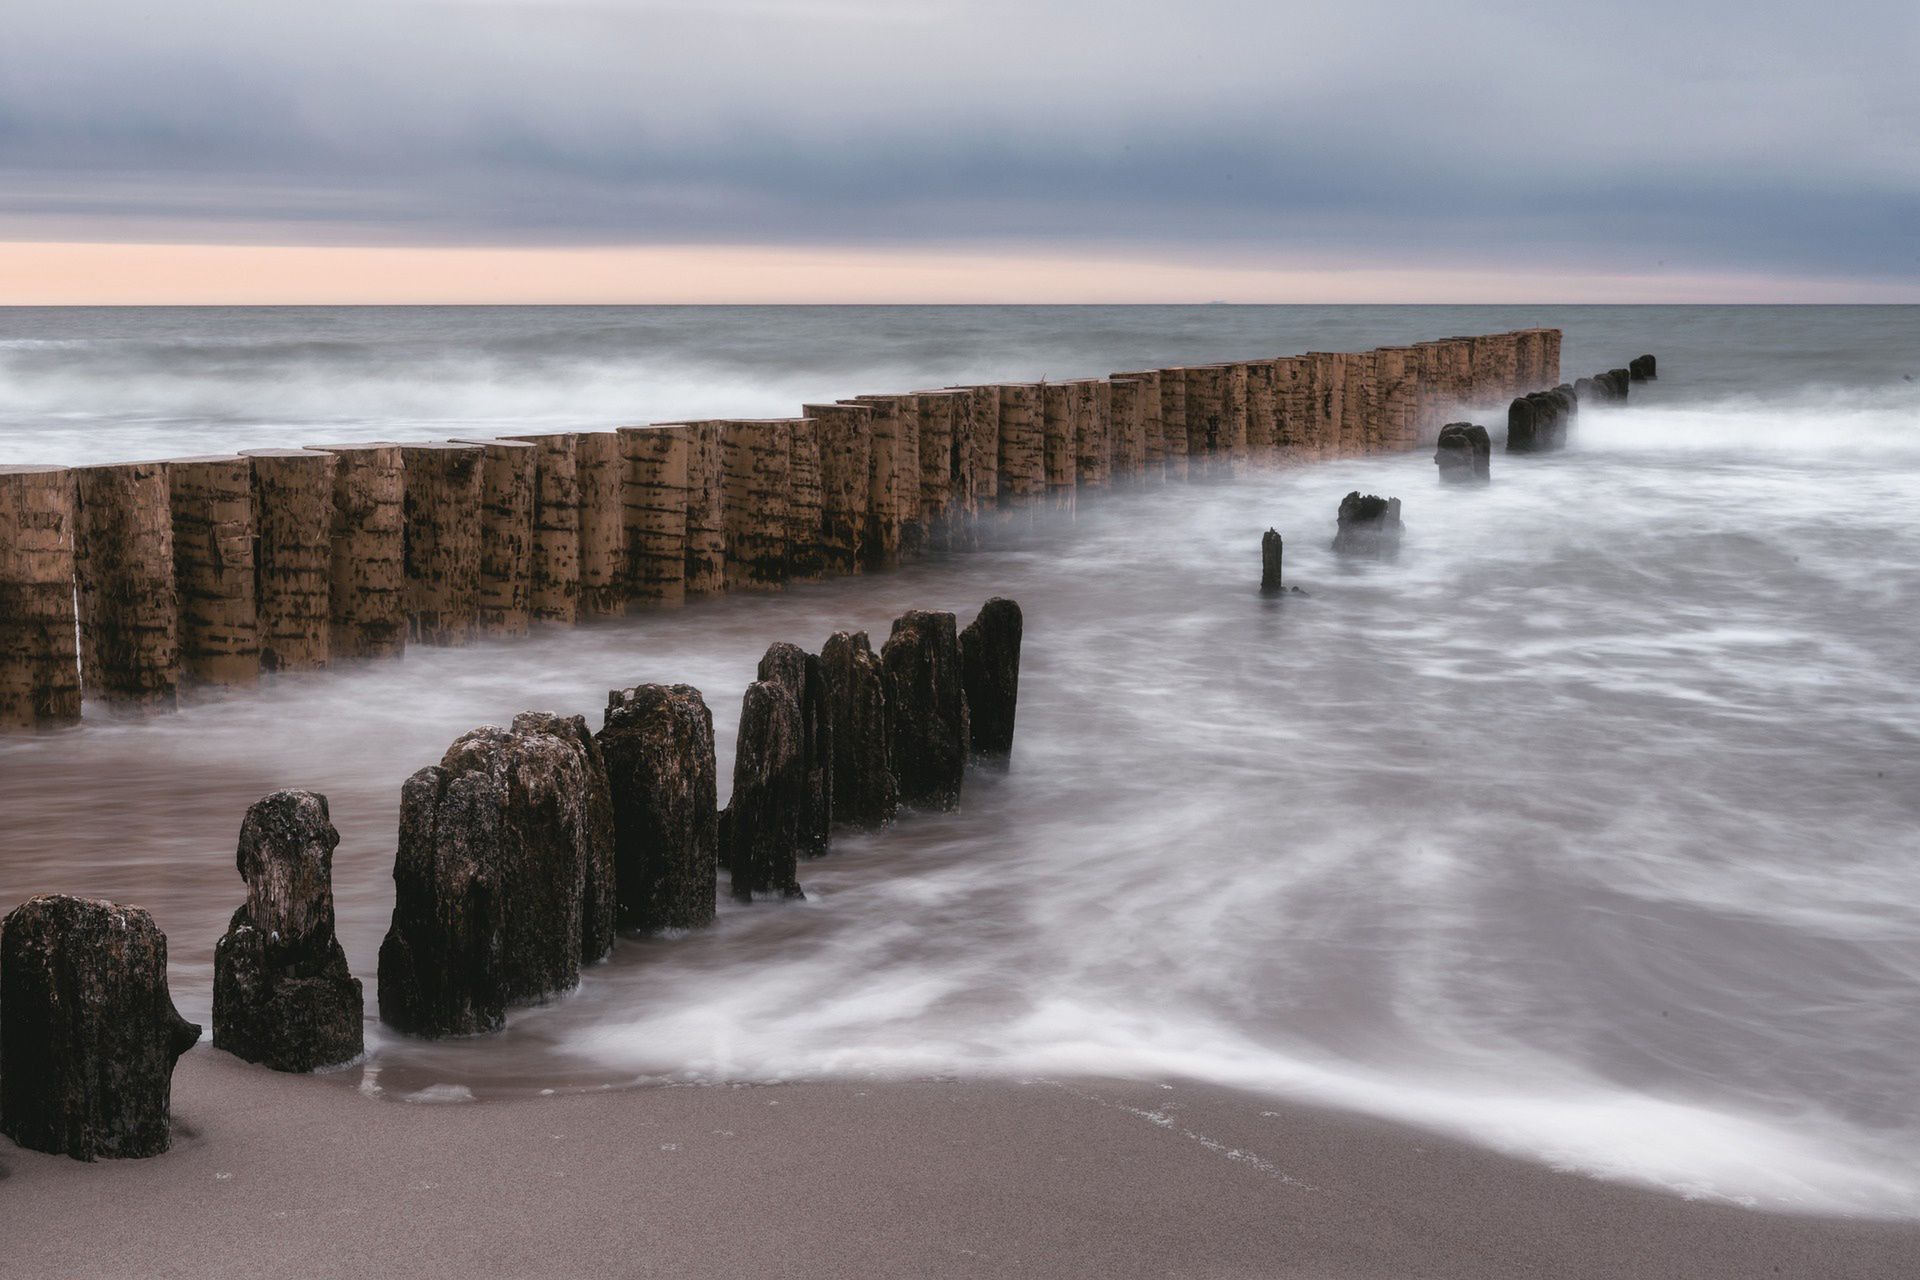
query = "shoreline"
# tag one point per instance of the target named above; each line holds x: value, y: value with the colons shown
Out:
x: 925, y: 1178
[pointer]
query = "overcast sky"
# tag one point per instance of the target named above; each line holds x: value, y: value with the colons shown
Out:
x: 1772, y: 147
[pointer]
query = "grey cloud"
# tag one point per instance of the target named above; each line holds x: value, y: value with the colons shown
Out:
x: 1711, y: 136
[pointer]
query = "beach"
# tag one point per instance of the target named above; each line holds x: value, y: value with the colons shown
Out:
x: 1079, y: 1177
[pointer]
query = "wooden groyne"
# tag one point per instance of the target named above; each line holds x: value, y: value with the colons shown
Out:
x: 129, y: 583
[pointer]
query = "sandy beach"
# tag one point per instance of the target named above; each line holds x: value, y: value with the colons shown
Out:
x: 931, y: 1178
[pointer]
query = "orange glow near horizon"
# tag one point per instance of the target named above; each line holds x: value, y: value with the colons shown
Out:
x: 107, y: 274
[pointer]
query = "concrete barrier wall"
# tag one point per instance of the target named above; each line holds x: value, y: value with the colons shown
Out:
x: 132, y: 582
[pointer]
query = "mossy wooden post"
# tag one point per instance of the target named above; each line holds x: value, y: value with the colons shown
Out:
x: 444, y: 487
x: 218, y: 628
x: 759, y: 472
x: 846, y: 448
x: 656, y: 514
x: 706, y: 509
x: 553, y: 565
x: 600, y: 466
x: 123, y: 571
x: 367, y: 593
x: 293, y: 556
x: 1022, y: 466
x: 1129, y: 441
x: 806, y: 558
x: 505, y: 599
x: 1061, y: 445
x: 39, y: 659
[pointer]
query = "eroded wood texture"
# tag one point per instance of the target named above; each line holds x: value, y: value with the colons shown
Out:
x: 39, y: 657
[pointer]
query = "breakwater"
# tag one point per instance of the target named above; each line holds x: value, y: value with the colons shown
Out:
x: 132, y: 585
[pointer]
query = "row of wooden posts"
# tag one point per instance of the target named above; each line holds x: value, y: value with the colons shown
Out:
x: 131, y: 583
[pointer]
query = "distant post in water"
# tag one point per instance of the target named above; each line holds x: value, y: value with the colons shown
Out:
x: 123, y: 568
x: 1271, y: 548
x: 39, y: 657
x: 1643, y: 369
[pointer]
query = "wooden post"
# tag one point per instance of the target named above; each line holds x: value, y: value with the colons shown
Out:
x: 367, y: 591
x: 123, y: 569
x: 1395, y: 369
x: 600, y: 467
x: 1022, y: 464
x: 1061, y: 444
x: 1356, y: 422
x: 444, y: 487
x: 759, y: 474
x: 986, y: 445
x: 293, y: 556
x: 213, y: 570
x: 706, y: 510
x: 806, y: 560
x: 1092, y: 405
x: 937, y: 414
x: 505, y: 599
x: 656, y: 514
x: 1272, y: 550
x: 1233, y: 415
x: 846, y: 450
x: 1261, y: 414
x: 553, y: 568
x: 39, y: 659
x: 1129, y: 441
x: 893, y: 506
x: 1173, y: 423
x: 1153, y: 443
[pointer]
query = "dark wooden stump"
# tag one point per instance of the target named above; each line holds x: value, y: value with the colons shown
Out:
x: 498, y: 845
x: 1464, y: 454
x: 865, y: 793
x: 88, y: 1033
x: 990, y: 668
x: 928, y: 707
x: 599, y: 882
x: 800, y: 674
x: 1271, y: 549
x: 1523, y: 434
x: 1643, y: 369
x: 282, y: 993
x: 1369, y: 526
x: 760, y: 831
x: 658, y: 745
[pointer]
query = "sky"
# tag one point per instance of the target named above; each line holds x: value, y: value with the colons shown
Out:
x: 933, y: 150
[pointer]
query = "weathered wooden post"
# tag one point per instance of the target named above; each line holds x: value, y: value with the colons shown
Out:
x: 937, y: 414
x: 1394, y: 384
x: 1354, y: 431
x: 367, y: 588
x: 984, y: 417
x: 894, y: 502
x: 444, y: 486
x: 802, y: 676
x: 846, y: 447
x: 1233, y: 415
x: 1522, y: 428
x: 927, y: 700
x: 1173, y: 423
x: 806, y: 556
x: 1129, y: 435
x: 282, y: 993
x: 88, y: 1033
x: 293, y: 556
x: 760, y: 830
x: 39, y: 658
x: 1262, y: 415
x: 656, y: 514
x: 1272, y: 549
x: 1061, y: 444
x: 1022, y: 465
x: 505, y: 596
x: 553, y: 564
x: 1369, y: 526
x: 1643, y: 369
x: 502, y: 882
x: 1328, y: 407
x: 1464, y: 454
x: 860, y: 728
x: 1152, y: 441
x: 706, y: 509
x: 658, y: 745
x: 123, y: 570
x: 1205, y: 415
x: 213, y: 572
x: 1091, y: 404
x: 759, y: 473
x: 600, y: 464
x: 990, y: 675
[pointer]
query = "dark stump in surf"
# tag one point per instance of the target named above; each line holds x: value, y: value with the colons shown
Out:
x: 1272, y: 549
x: 1464, y: 454
x: 760, y: 830
x: 799, y: 672
x: 1617, y: 381
x: 1523, y: 434
x: 865, y: 793
x: 498, y: 847
x: 1588, y: 391
x: 1369, y: 526
x: 282, y: 993
x: 658, y: 745
x: 1643, y: 369
x: 990, y: 662
x: 927, y: 701
x: 599, y: 882
x: 88, y: 1033
x: 1564, y: 406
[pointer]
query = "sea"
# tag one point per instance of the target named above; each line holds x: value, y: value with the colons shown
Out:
x: 1587, y: 829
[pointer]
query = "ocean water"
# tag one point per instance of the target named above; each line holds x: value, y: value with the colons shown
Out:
x: 1588, y: 829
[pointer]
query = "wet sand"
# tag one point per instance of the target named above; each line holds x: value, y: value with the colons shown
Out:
x: 286, y: 1175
